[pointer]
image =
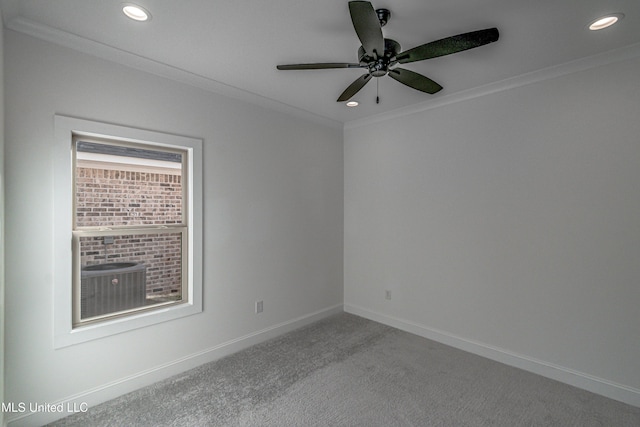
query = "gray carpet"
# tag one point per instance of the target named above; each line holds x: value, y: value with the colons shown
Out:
x: 349, y: 371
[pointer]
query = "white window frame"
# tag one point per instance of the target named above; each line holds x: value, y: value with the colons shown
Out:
x: 66, y: 128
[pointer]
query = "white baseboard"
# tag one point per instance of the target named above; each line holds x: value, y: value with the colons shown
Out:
x: 565, y: 375
x: 131, y: 383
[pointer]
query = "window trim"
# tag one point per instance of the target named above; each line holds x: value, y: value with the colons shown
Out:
x: 65, y: 130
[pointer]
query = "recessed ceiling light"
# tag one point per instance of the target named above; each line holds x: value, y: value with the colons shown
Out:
x: 135, y: 12
x: 352, y: 104
x: 605, y: 21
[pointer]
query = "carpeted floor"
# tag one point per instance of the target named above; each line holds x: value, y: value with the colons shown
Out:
x: 349, y: 371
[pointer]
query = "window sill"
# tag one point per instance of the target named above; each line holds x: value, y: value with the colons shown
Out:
x: 123, y: 324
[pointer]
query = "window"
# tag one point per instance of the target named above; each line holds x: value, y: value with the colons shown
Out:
x: 130, y: 202
x: 129, y: 231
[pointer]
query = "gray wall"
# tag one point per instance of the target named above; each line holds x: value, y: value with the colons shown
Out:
x: 508, y: 225
x: 2, y: 319
x: 273, y: 217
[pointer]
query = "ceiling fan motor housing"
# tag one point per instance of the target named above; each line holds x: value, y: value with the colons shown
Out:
x: 379, y: 67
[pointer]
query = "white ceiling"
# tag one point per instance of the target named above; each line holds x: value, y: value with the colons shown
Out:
x: 233, y: 46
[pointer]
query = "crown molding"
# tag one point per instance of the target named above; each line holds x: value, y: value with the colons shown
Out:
x: 141, y: 63
x: 144, y: 64
x: 582, y: 64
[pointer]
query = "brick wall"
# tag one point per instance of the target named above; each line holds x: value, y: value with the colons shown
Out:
x: 117, y: 197
x: 107, y: 198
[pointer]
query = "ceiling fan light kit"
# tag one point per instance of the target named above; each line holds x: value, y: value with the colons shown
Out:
x: 381, y: 56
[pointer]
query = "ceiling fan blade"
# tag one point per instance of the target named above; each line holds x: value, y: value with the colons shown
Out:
x: 449, y: 45
x: 318, y: 66
x: 414, y: 80
x: 354, y: 87
x: 367, y: 26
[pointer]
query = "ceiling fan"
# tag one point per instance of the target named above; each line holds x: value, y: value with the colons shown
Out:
x: 380, y: 56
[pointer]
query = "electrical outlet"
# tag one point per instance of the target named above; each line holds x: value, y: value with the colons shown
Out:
x: 387, y: 294
x: 259, y: 307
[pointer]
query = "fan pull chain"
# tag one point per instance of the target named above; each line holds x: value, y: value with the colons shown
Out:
x: 377, y: 91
